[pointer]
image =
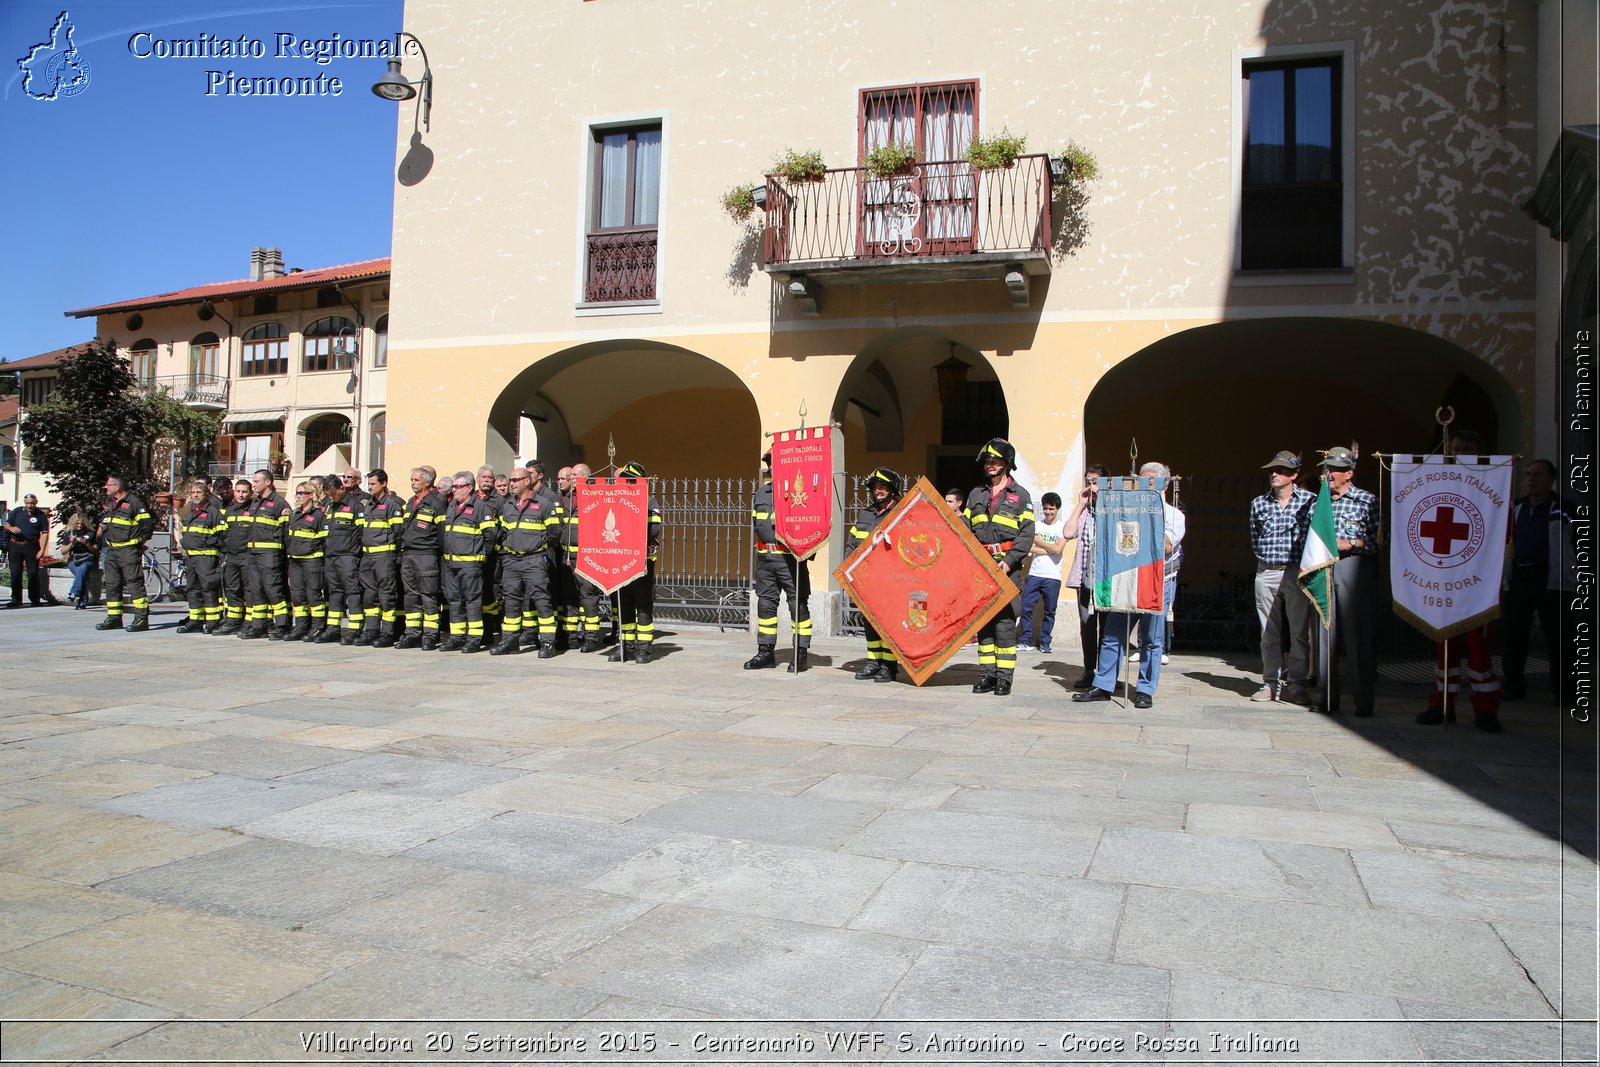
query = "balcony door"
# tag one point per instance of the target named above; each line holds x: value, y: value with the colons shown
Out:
x: 931, y: 210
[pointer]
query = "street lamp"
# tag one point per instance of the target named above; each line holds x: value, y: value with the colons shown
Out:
x: 394, y: 86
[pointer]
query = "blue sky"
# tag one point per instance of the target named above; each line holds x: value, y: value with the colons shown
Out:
x: 141, y: 182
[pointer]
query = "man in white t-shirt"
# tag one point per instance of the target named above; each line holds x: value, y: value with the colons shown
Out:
x: 1044, y: 574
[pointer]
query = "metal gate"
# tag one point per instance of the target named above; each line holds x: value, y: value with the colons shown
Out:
x: 703, y: 575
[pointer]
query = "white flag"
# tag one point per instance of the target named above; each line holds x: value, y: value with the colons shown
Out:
x: 1447, y: 542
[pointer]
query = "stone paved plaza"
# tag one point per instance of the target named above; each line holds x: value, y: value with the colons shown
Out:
x: 213, y: 850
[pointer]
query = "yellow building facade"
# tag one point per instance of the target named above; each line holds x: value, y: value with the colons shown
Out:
x: 1305, y: 231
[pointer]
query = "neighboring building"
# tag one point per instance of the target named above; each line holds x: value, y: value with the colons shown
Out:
x: 1306, y: 232
x: 295, y: 359
x: 35, y: 379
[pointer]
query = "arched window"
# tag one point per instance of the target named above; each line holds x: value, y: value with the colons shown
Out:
x: 375, y: 447
x: 205, y: 360
x: 266, y: 351
x: 142, y: 358
x: 322, y: 433
x: 330, y: 344
x: 380, y: 354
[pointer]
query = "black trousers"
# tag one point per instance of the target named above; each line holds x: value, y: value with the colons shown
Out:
x: 997, y: 641
x: 463, y: 593
x: 780, y: 573
x: 380, y: 589
x: 579, y: 598
x: 234, y: 585
x: 24, y: 559
x: 203, y: 583
x: 1526, y: 598
x: 307, y: 591
x: 529, y: 606
x: 268, y: 593
x: 124, y: 582
x: 419, y: 583
x: 638, y: 600
x: 342, y: 575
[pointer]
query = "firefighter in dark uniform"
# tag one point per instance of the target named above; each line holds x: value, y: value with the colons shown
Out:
x: 638, y: 597
x: 492, y: 608
x: 580, y: 596
x: 1000, y: 514
x: 469, y: 536
x: 307, y: 551
x: 777, y: 572
x: 268, y: 595
x: 204, y: 525
x: 124, y: 530
x: 529, y: 527
x: 236, y: 558
x: 343, y: 513
x: 420, y: 540
x: 384, y: 514
x: 883, y: 491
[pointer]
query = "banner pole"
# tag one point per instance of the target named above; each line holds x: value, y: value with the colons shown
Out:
x: 616, y: 615
x: 1127, y: 641
x: 1445, y: 702
x: 1330, y: 636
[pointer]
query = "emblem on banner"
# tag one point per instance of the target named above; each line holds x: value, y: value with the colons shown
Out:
x: 797, y: 492
x: 920, y: 550
x: 1446, y: 530
x: 610, y: 534
x: 917, y: 611
x: 1127, y: 538
x: 802, y: 473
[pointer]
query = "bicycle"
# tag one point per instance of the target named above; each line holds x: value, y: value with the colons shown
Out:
x: 161, y: 583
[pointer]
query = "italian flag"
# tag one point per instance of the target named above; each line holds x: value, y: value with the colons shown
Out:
x: 1319, y: 556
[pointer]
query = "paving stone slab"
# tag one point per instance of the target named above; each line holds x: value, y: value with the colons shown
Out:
x: 218, y: 800
x: 1068, y: 808
x: 279, y: 883
x: 36, y: 909
x: 381, y: 824
x: 696, y: 720
x: 1218, y: 787
x: 164, y: 714
x: 1430, y: 801
x: 1479, y: 887
x: 88, y: 847
x: 1028, y: 772
x: 392, y: 985
x: 881, y: 791
x: 1370, y: 1028
x: 546, y: 848
x: 1304, y: 827
x: 953, y: 982
x: 243, y: 724
x: 342, y: 712
x: 627, y: 763
x: 466, y: 749
x: 1259, y: 761
x: 859, y: 759
x: 108, y: 742
x: 983, y: 910
x: 776, y: 881
x: 73, y: 1023
x: 581, y: 796
x: 1381, y: 952
x: 729, y: 748
x: 1272, y: 870
x: 963, y: 839
x: 829, y: 731
x: 1561, y: 960
x: 812, y: 822
x: 30, y: 727
x: 1446, y: 1034
x: 1112, y: 754
x: 404, y: 776
x: 723, y: 776
x: 358, y: 738
x: 492, y: 920
x: 247, y: 757
x: 99, y: 781
x: 961, y: 741
x: 1464, y: 840
x: 173, y: 958
x: 744, y: 966
x: 20, y: 764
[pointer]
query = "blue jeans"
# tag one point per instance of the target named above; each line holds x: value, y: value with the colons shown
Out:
x: 1113, y: 648
x: 80, y: 577
x: 1169, y: 593
x: 1048, y: 589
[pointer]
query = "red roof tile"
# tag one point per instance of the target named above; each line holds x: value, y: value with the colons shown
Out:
x: 8, y: 409
x: 367, y: 268
x: 43, y: 361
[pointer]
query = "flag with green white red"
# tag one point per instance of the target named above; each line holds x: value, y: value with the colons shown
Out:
x: 1319, y: 556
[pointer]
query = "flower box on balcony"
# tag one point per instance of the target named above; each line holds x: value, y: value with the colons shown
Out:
x: 795, y: 166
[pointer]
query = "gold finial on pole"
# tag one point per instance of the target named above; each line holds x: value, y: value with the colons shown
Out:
x: 802, y: 414
x: 1444, y: 416
x: 611, y: 452
x: 1133, y: 456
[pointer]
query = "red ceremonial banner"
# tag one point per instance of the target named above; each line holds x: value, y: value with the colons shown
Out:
x: 923, y: 581
x: 613, y: 530
x: 802, y: 488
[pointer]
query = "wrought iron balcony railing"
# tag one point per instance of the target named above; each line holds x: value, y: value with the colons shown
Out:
x: 621, y: 267
x: 934, y: 211
x: 199, y: 390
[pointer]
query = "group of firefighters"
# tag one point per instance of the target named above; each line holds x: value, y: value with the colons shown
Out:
x: 484, y: 563
x: 474, y: 563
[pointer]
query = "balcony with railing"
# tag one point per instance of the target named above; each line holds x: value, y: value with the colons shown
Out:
x: 935, y: 222
x: 207, y: 391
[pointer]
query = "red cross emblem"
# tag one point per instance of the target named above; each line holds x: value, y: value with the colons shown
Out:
x: 1443, y: 530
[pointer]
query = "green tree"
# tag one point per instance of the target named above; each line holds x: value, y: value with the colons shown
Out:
x: 99, y: 422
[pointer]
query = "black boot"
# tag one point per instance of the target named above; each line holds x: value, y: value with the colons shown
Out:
x: 278, y: 633
x: 799, y: 663
x: 140, y: 623
x: 473, y: 644
x: 507, y: 647
x: 641, y: 652
x: 547, y: 650
x: 615, y: 655
x: 591, y: 643
x: 229, y: 626
x: 409, y: 640
x: 329, y: 635
x: 887, y: 672
x: 366, y: 638
x: 386, y: 640
x: 300, y: 631
x: 110, y: 622
x: 253, y: 632
x: 869, y: 671
x: 454, y: 644
x: 430, y: 642
x: 189, y: 626
x: 528, y: 640
x: 985, y: 684
x: 209, y: 628
x: 761, y: 660
x: 1002, y: 686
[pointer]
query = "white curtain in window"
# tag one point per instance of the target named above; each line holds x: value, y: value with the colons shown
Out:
x: 647, y: 178
x: 947, y: 127
x: 614, y: 180
x: 891, y: 118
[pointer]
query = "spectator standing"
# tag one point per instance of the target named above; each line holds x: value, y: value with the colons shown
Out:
x: 27, y: 528
x: 1279, y: 521
x: 1355, y: 577
x: 1079, y: 527
x: 1043, y: 587
x: 1543, y: 567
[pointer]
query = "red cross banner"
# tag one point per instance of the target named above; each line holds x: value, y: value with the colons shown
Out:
x: 923, y: 581
x: 1447, y: 543
x: 802, y: 481
x: 613, y: 530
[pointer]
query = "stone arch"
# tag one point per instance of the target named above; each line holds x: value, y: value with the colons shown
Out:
x: 676, y: 411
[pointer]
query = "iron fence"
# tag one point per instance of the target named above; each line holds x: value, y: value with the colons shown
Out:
x: 703, y: 574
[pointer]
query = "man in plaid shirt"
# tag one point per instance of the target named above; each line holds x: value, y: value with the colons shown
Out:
x: 1279, y: 520
x: 1355, y: 578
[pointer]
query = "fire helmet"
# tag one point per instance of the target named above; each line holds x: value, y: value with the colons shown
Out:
x: 885, y: 477
x: 632, y: 469
x: 999, y: 448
